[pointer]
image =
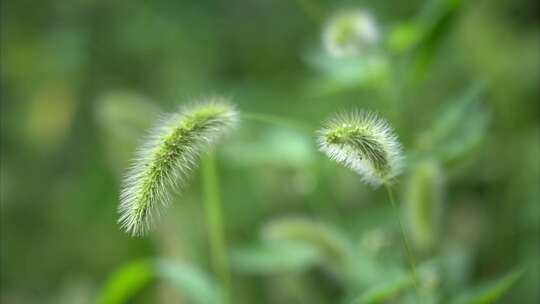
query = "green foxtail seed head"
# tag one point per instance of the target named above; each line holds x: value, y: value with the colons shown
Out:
x: 166, y: 158
x: 424, y: 203
x: 350, y: 33
x: 364, y: 143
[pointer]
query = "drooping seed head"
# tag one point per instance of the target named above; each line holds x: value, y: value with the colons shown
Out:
x: 364, y: 143
x: 167, y: 156
x: 350, y: 33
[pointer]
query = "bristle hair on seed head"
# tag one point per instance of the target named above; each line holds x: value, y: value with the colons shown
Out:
x: 363, y: 142
x: 166, y: 157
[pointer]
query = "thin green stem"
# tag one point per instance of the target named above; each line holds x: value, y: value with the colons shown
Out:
x: 405, y: 242
x: 280, y: 121
x: 212, y: 202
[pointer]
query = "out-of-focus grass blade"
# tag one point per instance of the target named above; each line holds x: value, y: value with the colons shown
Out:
x: 452, y: 117
x: 384, y: 291
x: 126, y: 282
x: 272, y: 258
x: 459, y: 128
x: 424, y: 203
x: 395, y: 285
x: 423, y: 35
x: 489, y: 292
x: 437, y: 27
x: 192, y: 283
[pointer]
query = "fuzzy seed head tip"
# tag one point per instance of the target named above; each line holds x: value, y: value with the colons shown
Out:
x: 167, y: 156
x: 365, y: 143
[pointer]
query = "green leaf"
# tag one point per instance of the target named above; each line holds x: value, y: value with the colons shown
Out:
x: 424, y: 35
x: 384, y: 291
x: 190, y: 282
x: 489, y: 292
x: 451, y: 119
x: 125, y: 282
x: 395, y: 284
x: 128, y: 280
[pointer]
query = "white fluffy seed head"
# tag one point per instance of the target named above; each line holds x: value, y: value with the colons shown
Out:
x: 166, y: 157
x: 350, y: 33
x: 363, y: 142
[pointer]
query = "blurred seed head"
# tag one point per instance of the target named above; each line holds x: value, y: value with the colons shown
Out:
x: 431, y: 279
x: 329, y: 242
x: 166, y: 158
x: 375, y: 240
x: 424, y: 198
x: 363, y: 142
x: 350, y: 33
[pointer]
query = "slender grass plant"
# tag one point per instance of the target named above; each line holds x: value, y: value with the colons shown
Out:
x: 366, y: 144
x: 164, y: 162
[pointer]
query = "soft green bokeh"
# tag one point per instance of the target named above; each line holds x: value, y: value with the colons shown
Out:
x: 82, y: 81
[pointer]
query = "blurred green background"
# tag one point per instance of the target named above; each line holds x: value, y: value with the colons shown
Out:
x: 82, y: 80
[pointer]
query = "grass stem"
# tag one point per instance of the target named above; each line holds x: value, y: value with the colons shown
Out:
x: 405, y: 242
